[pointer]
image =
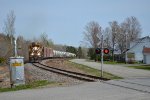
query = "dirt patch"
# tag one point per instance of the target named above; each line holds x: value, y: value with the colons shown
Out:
x: 4, y: 76
x: 62, y: 64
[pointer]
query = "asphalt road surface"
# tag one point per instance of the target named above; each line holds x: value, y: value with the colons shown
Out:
x: 86, y: 91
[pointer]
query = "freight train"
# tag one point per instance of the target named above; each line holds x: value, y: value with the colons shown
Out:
x: 38, y: 52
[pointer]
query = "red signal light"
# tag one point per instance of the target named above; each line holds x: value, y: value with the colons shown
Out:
x: 106, y: 51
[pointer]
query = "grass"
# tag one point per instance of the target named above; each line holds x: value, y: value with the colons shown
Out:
x: 28, y: 86
x: 145, y: 67
x: 111, y: 62
x: 108, y: 62
x: 93, y: 71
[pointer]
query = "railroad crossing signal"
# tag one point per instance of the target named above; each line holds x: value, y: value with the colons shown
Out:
x: 98, y: 50
x: 106, y: 51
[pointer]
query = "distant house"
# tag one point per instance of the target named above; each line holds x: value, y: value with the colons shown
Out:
x: 146, y: 55
x: 135, y: 52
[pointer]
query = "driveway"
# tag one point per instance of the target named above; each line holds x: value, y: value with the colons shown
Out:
x: 118, y: 70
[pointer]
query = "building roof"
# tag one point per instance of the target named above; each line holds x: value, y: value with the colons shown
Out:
x: 146, y: 50
x: 139, y: 40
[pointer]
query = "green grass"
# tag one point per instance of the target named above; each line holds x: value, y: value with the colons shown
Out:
x: 93, y: 71
x: 145, y: 67
x: 107, y: 62
x: 27, y: 86
x: 111, y: 62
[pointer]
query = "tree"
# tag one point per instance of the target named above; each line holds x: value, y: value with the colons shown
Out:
x: 71, y: 49
x: 59, y: 47
x: 3, y: 45
x: 107, y: 38
x: 121, y: 40
x: 22, y: 47
x: 45, y: 41
x: 80, y: 54
x: 9, y: 28
x: 91, y: 33
x: 130, y: 30
x: 134, y: 28
x: 115, y: 30
x: 91, y: 53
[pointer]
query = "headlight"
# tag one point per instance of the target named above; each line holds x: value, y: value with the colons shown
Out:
x: 32, y: 54
x: 38, y: 54
x: 35, y: 48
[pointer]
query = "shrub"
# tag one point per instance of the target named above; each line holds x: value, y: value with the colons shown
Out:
x: 2, y: 60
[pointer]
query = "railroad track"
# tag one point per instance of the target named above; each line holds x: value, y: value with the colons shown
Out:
x: 89, y: 78
x: 129, y: 85
x: 76, y: 75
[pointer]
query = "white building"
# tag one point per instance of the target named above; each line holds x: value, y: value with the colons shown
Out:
x: 146, y: 55
x: 135, y: 51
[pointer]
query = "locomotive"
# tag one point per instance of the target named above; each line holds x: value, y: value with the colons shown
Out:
x: 38, y: 52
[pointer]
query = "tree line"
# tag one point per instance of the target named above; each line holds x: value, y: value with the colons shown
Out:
x: 7, y: 38
x: 117, y: 36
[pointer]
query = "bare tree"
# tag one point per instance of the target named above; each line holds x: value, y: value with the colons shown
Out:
x: 45, y: 41
x: 9, y: 28
x: 3, y: 45
x: 107, y: 38
x: 115, y: 30
x: 121, y: 40
x: 22, y: 47
x: 59, y: 47
x: 91, y: 33
x: 133, y: 28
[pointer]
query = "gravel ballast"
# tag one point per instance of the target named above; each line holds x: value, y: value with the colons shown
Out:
x: 33, y: 73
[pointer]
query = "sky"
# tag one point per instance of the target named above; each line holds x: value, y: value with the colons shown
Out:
x: 64, y: 21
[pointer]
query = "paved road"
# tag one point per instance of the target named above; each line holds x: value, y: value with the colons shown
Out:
x: 118, y: 70
x: 86, y: 91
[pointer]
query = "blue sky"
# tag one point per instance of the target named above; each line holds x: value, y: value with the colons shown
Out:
x: 64, y: 20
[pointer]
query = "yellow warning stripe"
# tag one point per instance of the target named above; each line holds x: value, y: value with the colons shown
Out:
x: 16, y: 64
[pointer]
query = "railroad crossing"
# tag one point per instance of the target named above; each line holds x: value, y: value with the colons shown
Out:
x: 86, y: 91
x: 118, y: 70
x: 135, y: 86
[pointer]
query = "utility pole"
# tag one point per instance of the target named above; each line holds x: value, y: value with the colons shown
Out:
x: 102, y: 57
x: 15, y: 48
x: 98, y: 52
x: 126, y: 49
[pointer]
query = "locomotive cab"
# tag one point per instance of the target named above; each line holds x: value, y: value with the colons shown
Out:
x: 35, y: 52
